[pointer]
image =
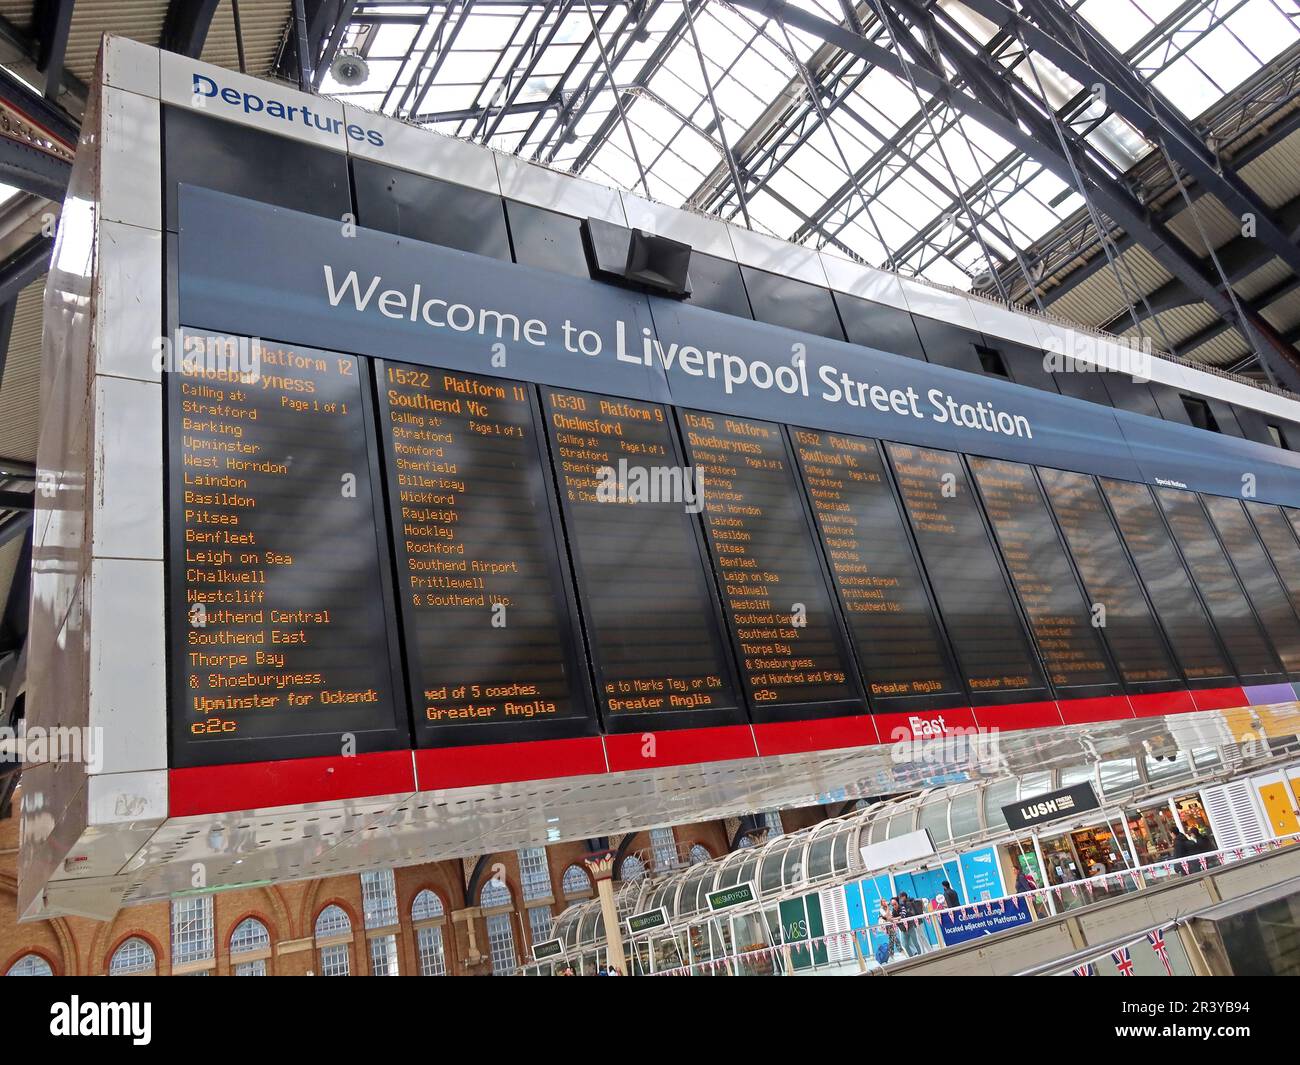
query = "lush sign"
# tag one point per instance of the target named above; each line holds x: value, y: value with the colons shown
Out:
x: 1052, y: 806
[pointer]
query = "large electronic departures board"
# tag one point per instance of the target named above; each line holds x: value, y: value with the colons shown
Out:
x: 1166, y: 581
x: 791, y: 648
x: 280, y: 604
x: 653, y: 625
x: 367, y: 555
x: 887, y: 604
x: 1115, y: 596
x: 1062, y: 624
x: 983, y: 621
x: 1280, y: 543
x: 1259, y: 579
x: 489, y: 625
x: 1214, y: 577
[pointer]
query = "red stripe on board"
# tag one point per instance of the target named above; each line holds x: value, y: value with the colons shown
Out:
x: 253, y: 785
x: 1219, y: 698
x: 1156, y: 704
x: 823, y: 734
x: 1102, y: 708
x: 501, y: 763
x: 1015, y: 716
x: 647, y: 750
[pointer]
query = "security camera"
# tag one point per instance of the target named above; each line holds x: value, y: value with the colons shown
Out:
x: 349, y: 68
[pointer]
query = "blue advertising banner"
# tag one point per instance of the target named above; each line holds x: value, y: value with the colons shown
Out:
x: 982, y: 919
x: 863, y: 901
x: 983, y: 878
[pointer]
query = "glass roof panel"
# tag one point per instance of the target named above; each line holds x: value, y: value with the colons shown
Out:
x: 444, y: 62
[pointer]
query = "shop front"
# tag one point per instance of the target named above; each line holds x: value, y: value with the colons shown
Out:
x: 1191, y: 814
x: 1154, y: 831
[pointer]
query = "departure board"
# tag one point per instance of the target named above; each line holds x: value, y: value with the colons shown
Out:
x: 887, y: 607
x: 1108, y: 576
x: 652, y: 617
x: 1282, y: 546
x: 775, y: 594
x: 1166, y: 580
x: 1068, y: 640
x: 990, y: 642
x: 280, y: 606
x: 1261, y: 583
x: 1229, y: 609
x: 491, y: 641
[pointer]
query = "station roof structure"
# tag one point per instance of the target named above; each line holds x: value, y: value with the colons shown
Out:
x: 1132, y: 165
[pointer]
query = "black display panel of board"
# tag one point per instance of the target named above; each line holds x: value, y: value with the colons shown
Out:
x: 794, y: 658
x: 1280, y: 541
x: 650, y: 608
x: 1110, y: 581
x: 489, y: 627
x: 1173, y: 598
x: 1062, y: 625
x: 996, y: 657
x: 1263, y: 587
x: 280, y: 601
x: 887, y: 606
x: 1229, y: 608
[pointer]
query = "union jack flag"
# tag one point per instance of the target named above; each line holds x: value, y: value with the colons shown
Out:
x: 1157, y: 941
x: 1122, y: 961
x: 1087, y: 969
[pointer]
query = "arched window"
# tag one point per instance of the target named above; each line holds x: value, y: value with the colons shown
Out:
x: 333, y: 925
x: 426, y: 906
x: 428, y: 937
x: 30, y: 965
x: 575, y: 882
x: 133, y: 958
x: 495, y: 893
x: 250, y: 943
x: 333, y: 921
x: 249, y: 935
x: 699, y: 854
x: 632, y: 868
